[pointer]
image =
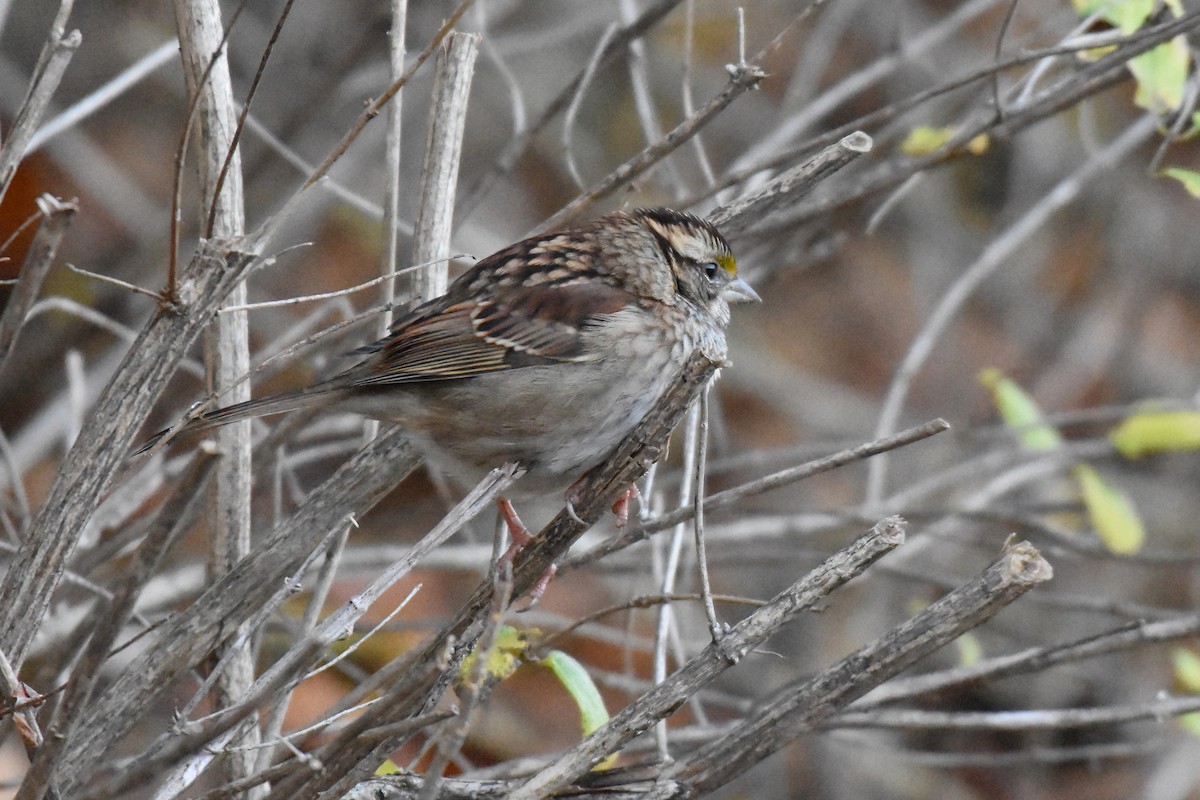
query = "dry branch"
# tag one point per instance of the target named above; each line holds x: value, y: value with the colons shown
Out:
x: 439, y: 175
x: 799, y: 710
x: 56, y: 54
x: 56, y: 218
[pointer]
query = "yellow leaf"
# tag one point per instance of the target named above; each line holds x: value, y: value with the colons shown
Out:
x: 923, y: 140
x: 1020, y: 412
x: 1189, y: 179
x: 1128, y: 15
x: 1186, y: 666
x: 1190, y: 723
x: 1161, y: 74
x: 970, y: 650
x: 1157, y: 432
x: 979, y: 145
x: 506, y: 654
x: 1112, y: 514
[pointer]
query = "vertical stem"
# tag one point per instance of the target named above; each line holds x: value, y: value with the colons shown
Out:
x: 391, y: 184
x: 710, y: 611
x: 227, y: 352
x: 439, y: 173
x: 667, y: 611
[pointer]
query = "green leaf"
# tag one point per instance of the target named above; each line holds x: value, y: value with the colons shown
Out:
x: 970, y: 650
x: 1161, y: 74
x: 924, y: 139
x: 1128, y: 15
x: 1020, y: 412
x: 1112, y: 514
x: 1189, y: 179
x: 1185, y: 664
x: 1186, y: 667
x: 574, y: 678
x: 1190, y: 723
x: 1157, y: 432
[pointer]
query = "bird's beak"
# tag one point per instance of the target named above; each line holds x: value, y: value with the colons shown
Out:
x: 738, y: 291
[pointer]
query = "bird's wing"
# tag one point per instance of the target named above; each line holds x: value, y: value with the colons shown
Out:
x: 514, y: 326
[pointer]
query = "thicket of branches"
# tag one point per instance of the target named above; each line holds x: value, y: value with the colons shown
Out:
x: 919, y: 190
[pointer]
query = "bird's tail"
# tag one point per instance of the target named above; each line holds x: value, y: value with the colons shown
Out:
x: 264, y: 406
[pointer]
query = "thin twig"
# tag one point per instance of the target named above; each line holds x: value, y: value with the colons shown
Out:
x: 740, y: 81
x: 764, y: 484
x: 389, y: 254
x: 710, y: 611
x: 56, y: 53
x: 525, y: 136
x: 585, y: 82
x: 358, y: 287
x: 56, y: 218
x: 739, y: 215
x: 375, y: 106
x: 993, y: 257
x: 715, y: 659
x: 103, y: 95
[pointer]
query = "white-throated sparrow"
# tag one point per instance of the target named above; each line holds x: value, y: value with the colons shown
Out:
x: 546, y: 353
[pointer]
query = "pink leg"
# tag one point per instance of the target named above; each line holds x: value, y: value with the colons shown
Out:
x: 516, y: 530
x: 521, y: 537
x: 621, y: 507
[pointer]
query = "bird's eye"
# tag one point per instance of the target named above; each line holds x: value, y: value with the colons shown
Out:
x: 711, y: 270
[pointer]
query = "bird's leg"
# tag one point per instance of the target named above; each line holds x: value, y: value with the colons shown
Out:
x: 516, y: 529
x: 520, y: 537
x: 620, y: 508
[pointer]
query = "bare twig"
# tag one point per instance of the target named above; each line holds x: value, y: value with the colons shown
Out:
x: 1156, y: 710
x: 390, y: 252
x: 56, y: 53
x: 439, y: 173
x: 354, y: 487
x: 715, y: 659
x: 103, y: 95
x: 517, y: 147
x: 1033, y: 660
x: 800, y: 709
x: 585, y: 81
x: 56, y: 218
x: 740, y: 81
x: 995, y: 256
x: 227, y: 348
x: 736, y: 217
x: 376, y: 105
x: 698, y: 493
x: 773, y: 481
x: 273, y: 724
